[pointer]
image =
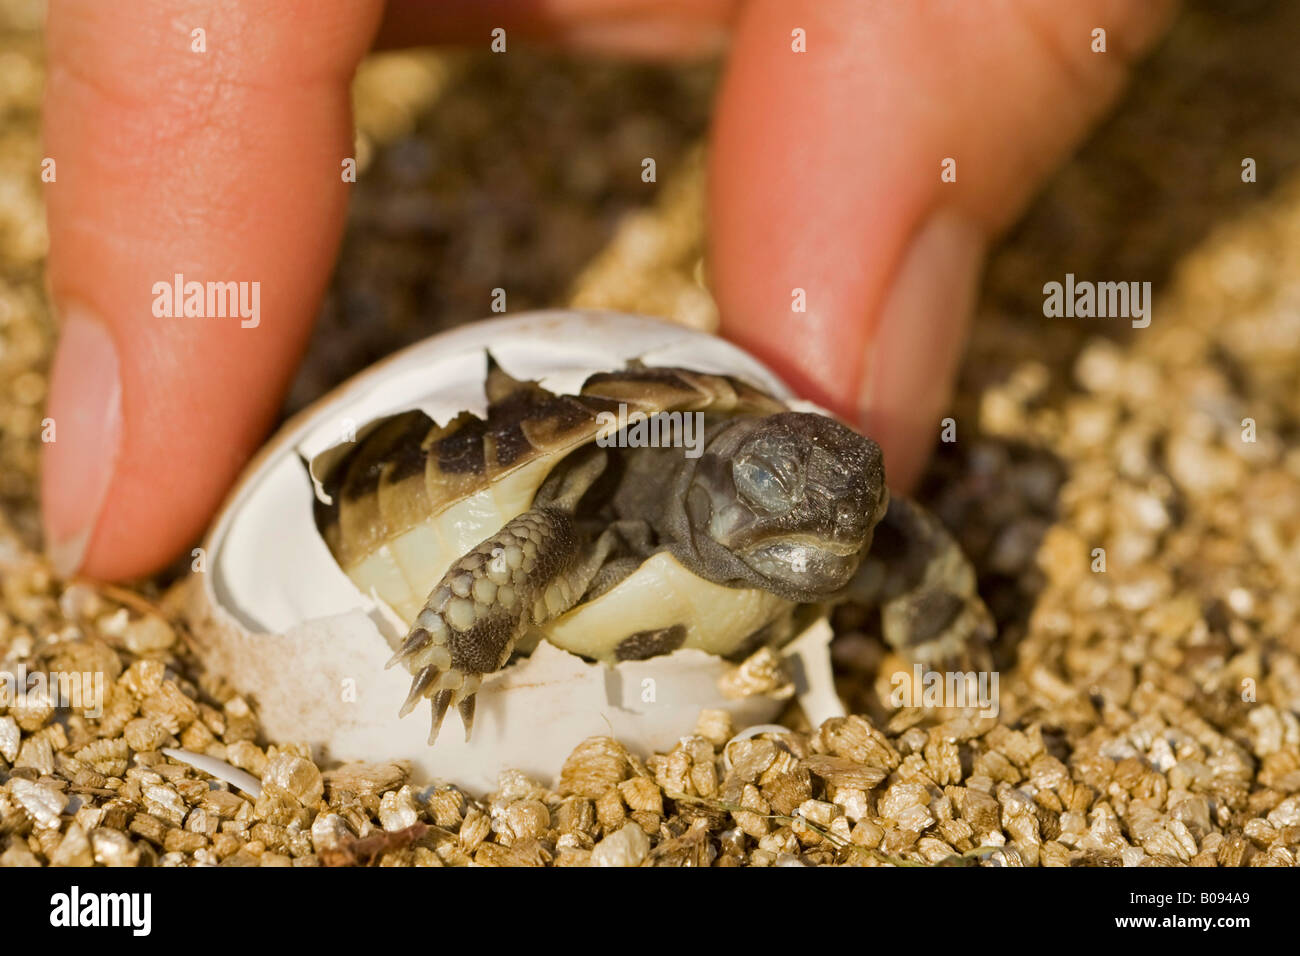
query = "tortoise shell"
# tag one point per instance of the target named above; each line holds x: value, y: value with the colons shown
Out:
x: 410, y: 497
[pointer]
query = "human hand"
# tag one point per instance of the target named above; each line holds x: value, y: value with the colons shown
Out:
x: 225, y: 166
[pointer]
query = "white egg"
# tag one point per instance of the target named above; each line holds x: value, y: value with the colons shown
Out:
x: 275, y: 614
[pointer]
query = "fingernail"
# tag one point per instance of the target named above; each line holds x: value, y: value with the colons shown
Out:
x: 86, y: 409
x: 914, y: 353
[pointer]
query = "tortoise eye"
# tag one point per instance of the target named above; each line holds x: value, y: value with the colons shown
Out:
x: 763, y: 484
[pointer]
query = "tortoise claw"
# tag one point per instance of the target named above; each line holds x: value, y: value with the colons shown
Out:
x: 419, y: 687
x: 444, y: 688
x: 472, y: 620
x: 441, y: 701
x: 467, y: 713
x: 415, y: 642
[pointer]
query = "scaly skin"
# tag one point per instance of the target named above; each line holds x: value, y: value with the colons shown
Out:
x: 531, y: 571
x: 780, y: 500
x: 926, y: 588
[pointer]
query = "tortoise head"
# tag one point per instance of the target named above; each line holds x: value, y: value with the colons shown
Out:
x: 794, y: 497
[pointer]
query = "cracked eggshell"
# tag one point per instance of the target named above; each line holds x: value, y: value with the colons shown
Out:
x: 276, y: 616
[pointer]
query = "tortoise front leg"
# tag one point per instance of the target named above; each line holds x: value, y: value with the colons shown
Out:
x: 925, y: 587
x: 532, y: 570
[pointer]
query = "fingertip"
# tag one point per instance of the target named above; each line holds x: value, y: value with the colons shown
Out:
x: 862, y: 154
x: 913, y: 356
x: 82, y: 435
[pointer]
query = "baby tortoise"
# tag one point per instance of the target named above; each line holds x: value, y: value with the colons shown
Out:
x: 539, y: 521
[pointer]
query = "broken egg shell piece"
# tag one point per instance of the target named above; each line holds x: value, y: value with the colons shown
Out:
x: 276, y: 616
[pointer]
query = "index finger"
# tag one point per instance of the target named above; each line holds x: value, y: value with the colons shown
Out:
x: 199, y: 141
